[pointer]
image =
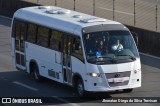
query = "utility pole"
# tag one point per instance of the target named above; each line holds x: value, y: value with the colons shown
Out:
x: 74, y: 8
x: 134, y: 12
x: 55, y: 2
x: 37, y: 1
x: 94, y: 7
x: 113, y: 9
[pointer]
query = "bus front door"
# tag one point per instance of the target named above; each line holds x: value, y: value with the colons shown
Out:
x: 20, y: 29
x: 67, y: 71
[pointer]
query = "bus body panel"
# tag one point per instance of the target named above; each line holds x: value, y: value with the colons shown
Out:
x: 101, y: 83
x: 13, y: 51
x: 45, y: 59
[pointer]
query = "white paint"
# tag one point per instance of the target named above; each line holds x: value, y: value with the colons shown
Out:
x: 24, y: 85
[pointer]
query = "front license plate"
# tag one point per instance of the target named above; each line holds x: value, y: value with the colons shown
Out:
x: 118, y: 80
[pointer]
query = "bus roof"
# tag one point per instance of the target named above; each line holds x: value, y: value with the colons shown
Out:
x: 62, y: 19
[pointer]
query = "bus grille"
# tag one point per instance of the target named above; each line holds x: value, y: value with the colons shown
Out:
x: 118, y: 75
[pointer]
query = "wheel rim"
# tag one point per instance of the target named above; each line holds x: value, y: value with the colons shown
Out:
x: 80, y: 88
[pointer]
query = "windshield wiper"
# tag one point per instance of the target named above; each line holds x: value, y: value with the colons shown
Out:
x: 131, y: 57
x: 102, y: 57
x: 110, y: 59
x: 105, y: 57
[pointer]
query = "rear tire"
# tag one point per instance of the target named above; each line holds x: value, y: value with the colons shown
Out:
x: 36, y: 74
x: 128, y: 90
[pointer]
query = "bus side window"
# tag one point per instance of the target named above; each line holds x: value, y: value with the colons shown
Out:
x: 17, y: 34
x: 77, y: 49
x: 42, y: 36
x: 55, y: 40
x: 31, y: 33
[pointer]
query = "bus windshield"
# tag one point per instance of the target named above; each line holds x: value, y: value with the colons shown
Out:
x: 109, y: 47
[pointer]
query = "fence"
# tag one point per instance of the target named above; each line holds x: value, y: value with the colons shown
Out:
x: 139, y: 13
x: 142, y: 16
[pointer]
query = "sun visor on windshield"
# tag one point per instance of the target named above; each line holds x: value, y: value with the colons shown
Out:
x: 104, y: 27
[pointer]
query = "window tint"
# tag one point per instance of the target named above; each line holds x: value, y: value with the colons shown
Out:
x: 69, y: 45
x: 77, y: 49
x: 17, y: 30
x: 13, y: 29
x: 19, y: 34
x: 42, y: 36
x: 22, y: 36
x: 31, y: 35
x: 56, y: 40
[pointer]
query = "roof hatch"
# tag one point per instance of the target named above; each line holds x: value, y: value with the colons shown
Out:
x: 58, y: 11
x: 77, y: 16
x: 44, y: 7
x: 91, y: 20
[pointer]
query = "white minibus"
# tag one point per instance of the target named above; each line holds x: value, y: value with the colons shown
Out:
x: 89, y: 53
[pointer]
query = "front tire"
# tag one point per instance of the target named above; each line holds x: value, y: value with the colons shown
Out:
x: 80, y: 88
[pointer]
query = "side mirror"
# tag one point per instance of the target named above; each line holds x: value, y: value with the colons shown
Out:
x: 135, y: 36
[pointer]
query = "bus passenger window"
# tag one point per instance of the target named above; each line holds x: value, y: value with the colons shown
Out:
x: 17, y: 35
x: 77, y: 49
x: 42, y: 36
x: 17, y: 30
x: 55, y: 40
x: 31, y: 33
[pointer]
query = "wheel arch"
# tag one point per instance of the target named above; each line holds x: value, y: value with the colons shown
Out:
x: 76, y: 77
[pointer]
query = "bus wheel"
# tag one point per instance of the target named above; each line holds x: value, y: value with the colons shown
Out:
x: 128, y: 90
x: 80, y: 88
x: 36, y: 74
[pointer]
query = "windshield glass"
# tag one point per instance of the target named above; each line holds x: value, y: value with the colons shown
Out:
x: 108, y: 47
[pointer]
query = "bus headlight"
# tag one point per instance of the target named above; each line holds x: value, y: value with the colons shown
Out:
x: 95, y: 74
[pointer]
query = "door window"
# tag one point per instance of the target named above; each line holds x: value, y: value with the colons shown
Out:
x: 19, y: 34
x: 77, y: 49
